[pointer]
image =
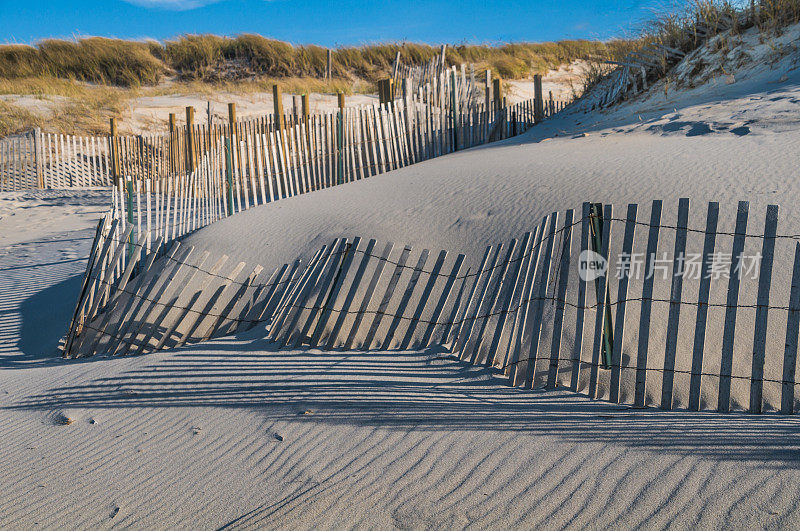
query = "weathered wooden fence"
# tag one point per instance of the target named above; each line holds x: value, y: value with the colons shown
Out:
x: 642, y: 333
x: 267, y: 164
x: 285, y: 152
x: 184, y: 296
x: 136, y: 302
x: 19, y: 156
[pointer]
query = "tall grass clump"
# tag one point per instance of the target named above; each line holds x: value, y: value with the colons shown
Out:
x: 94, y: 59
x: 687, y: 28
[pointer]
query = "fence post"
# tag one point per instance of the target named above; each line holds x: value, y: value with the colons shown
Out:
x: 395, y: 67
x: 340, y: 140
x: 229, y: 174
x: 277, y: 100
x: 113, y: 146
x: 538, y: 100
x: 306, y: 110
x: 497, y: 93
x: 385, y: 89
x: 329, y: 65
x: 596, y: 225
x: 128, y: 182
x: 37, y: 156
x: 173, y: 163
x: 190, y: 139
x: 488, y: 90
x: 381, y: 91
x: 454, y: 109
x: 234, y: 138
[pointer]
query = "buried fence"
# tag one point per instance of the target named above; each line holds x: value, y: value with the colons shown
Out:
x: 684, y: 309
x: 270, y: 165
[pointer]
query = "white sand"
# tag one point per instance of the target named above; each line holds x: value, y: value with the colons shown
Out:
x: 191, y: 437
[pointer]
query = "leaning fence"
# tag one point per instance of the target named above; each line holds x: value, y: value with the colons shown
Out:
x: 639, y: 334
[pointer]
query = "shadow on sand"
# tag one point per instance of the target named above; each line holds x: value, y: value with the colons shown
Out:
x: 425, y: 390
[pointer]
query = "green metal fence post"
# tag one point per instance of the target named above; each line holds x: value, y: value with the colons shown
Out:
x: 339, y: 148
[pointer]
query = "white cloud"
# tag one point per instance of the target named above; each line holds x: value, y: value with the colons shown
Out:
x: 174, y: 5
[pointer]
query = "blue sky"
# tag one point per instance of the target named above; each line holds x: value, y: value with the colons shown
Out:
x: 327, y: 22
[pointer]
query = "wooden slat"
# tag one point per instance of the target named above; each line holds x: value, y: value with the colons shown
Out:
x: 178, y: 282
x: 541, y: 294
x: 600, y: 296
x: 518, y: 362
x: 236, y: 306
x: 673, y: 319
x: 376, y: 276
x: 188, y: 308
x: 387, y: 296
x: 580, y: 305
x: 146, y: 296
x: 120, y: 291
x: 695, y: 379
x: 512, y: 293
x: 338, y: 281
x: 268, y: 298
x: 792, y: 330
x: 732, y: 301
x: 292, y: 305
x: 485, y: 278
x: 322, y: 285
x: 452, y: 278
x: 351, y: 294
x: 209, y: 313
x: 405, y: 299
x: 640, y: 390
x: 517, y: 300
x: 105, y: 277
x: 461, y: 314
x: 487, y: 306
x: 762, y: 310
x: 561, y: 296
x: 622, y: 297
x: 90, y: 265
x: 433, y: 277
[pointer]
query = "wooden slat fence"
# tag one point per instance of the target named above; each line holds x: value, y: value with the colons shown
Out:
x: 266, y: 165
x: 525, y: 310
x: 18, y: 162
x: 271, y: 160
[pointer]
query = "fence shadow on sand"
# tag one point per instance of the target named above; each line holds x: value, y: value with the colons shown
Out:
x: 424, y: 390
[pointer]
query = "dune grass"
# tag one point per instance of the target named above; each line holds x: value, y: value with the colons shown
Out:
x: 64, y: 106
x: 93, y: 59
x: 691, y: 25
x: 212, y: 58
